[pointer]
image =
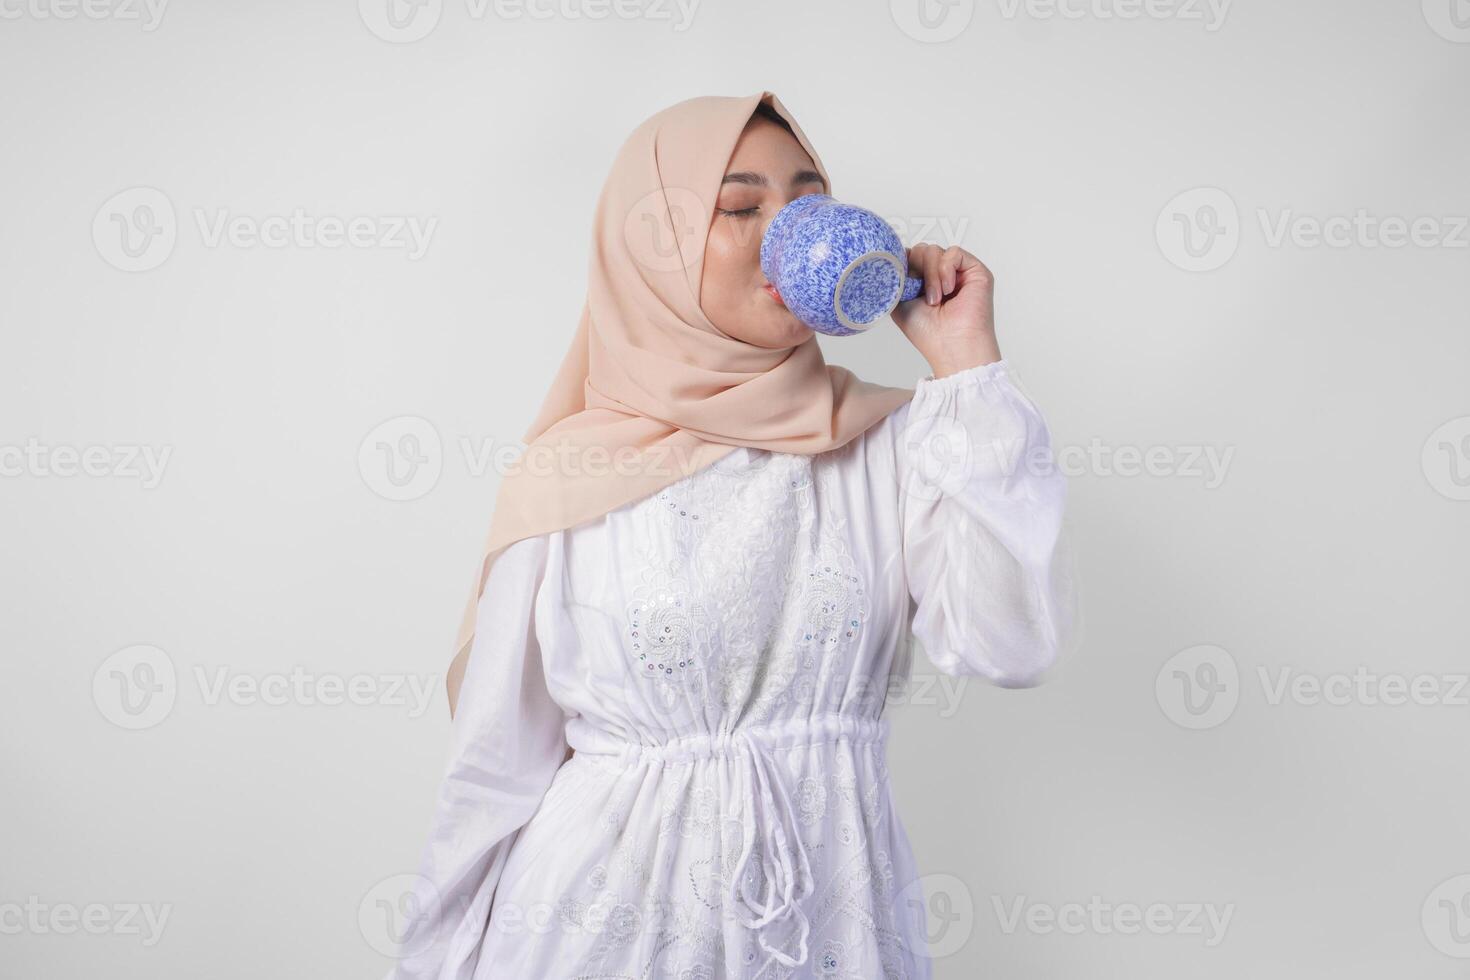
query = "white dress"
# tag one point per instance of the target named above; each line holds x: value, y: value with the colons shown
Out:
x: 668, y: 759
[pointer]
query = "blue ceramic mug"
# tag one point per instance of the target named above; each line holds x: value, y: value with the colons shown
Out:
x: 838, y: 267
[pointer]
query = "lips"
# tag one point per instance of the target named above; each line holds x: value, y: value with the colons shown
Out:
x: 771, y: 291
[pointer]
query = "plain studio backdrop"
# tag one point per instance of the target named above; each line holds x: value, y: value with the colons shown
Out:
x: 280, y: 280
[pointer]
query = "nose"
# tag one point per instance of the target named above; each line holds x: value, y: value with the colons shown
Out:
x: 769, y: 214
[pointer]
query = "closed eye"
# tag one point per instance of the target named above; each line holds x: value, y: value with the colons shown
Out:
x: 742, y: 213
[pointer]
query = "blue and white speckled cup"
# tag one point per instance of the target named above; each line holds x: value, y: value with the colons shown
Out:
x: 838, y: 267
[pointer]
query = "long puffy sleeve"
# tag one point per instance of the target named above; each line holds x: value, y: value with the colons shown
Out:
x: 981, y: 503
x: 508, y: 742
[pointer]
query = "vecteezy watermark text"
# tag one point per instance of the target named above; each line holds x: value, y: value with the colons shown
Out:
x: 38, y: 918
x: 407, y: 21
x: 122, y: 461
x: 1097, y: 917
x: 137, y: 688
x: 1199, y: 230
x: 137, y: 229
x: 148, y: 12
x: 1200, y: 687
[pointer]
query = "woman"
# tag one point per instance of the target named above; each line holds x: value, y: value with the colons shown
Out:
x: 668, y: 754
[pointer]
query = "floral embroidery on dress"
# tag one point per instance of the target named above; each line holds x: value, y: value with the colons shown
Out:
x: 834, y: 603
x: 693, y: 814
x: 811, y: 800
x: 663, y: 620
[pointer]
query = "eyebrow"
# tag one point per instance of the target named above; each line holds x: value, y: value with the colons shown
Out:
x: 759, y: 180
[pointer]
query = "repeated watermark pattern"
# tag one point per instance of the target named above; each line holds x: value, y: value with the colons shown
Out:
x: 137, y: 229
x: 402, y: 459
x: 138, y: 687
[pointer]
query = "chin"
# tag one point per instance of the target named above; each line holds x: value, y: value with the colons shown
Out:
x: 771, y: 329
x: 782, y: 330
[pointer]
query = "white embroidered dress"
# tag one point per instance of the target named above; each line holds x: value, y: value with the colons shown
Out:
x: 668, y: 759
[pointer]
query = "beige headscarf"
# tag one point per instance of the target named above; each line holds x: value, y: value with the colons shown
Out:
x: 650, y: 389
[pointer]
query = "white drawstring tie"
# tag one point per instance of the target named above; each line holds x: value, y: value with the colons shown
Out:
x: 775, y: 824
x: 772, y: 837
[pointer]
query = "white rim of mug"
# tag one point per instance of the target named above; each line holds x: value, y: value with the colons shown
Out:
x: 842, y: 280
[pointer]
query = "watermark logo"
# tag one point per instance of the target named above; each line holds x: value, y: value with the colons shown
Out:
x: 1445, y: 917
x: 399, y: 915
x: 1450, y: 19
x: 136, y: 687
x: 941, y: 908
x: 401, y: 459
x: 135, y: 230
x: 936, y: 458
x: 1199, y: 229
x: 663, y: 229
x: 1198, y: 687
x: 1446, y: 459
x: 932, y: 21
x: 400, y: 21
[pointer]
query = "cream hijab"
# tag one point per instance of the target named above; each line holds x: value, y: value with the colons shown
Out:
x: 651, y: 390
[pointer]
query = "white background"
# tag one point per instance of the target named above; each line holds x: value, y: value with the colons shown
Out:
x: 1055, y: 143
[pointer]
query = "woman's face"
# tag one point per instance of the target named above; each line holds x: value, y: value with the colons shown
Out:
x: 768, y: 170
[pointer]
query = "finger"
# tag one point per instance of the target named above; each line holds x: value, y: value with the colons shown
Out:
x: 917, y: 252
x: 927, y: 261
x: 932, y: 259
x: 977, y: 271
x: 953, y: 257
